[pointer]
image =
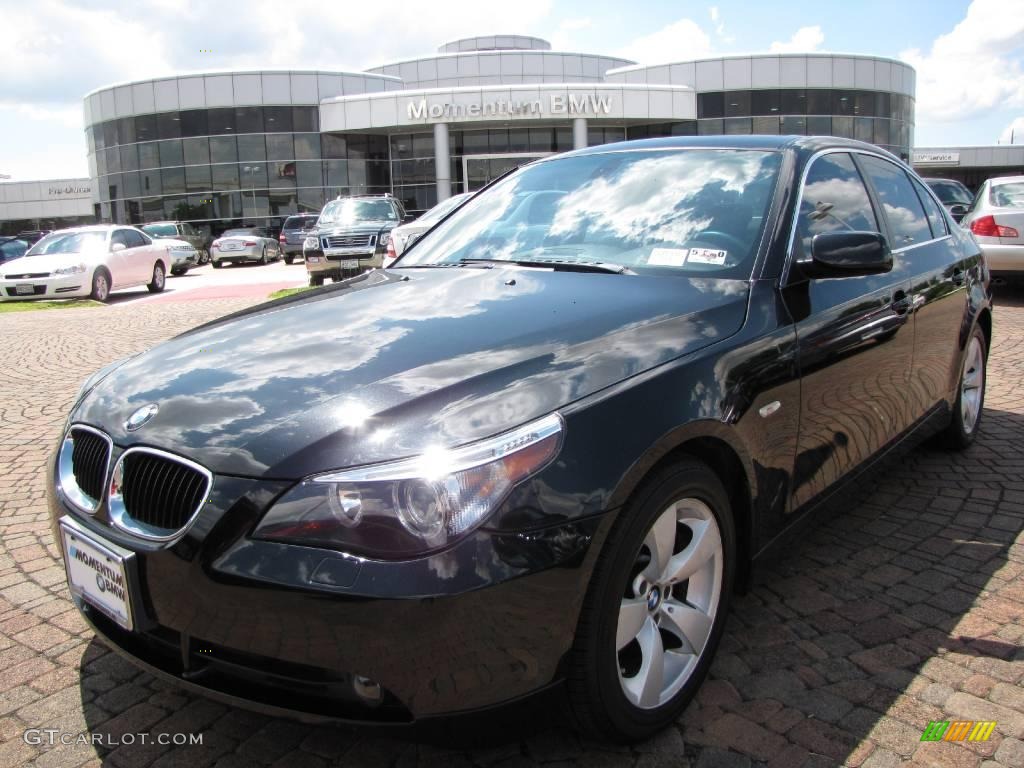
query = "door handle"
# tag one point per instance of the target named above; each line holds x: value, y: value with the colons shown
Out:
x: 900, y: 303
x: 958, y: 276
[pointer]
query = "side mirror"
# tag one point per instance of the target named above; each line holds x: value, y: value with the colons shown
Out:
x: 117, y: 247
x: 848, y: 254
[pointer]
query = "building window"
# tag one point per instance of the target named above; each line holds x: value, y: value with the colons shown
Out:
x: 737, y: 126
x: 251, y: 148
x: 193, y: 123
x: 766, y: 103
x: 170, y: 153
x: 221, y: 121
x: 711, y: 104
x: 305, y: 119
x: 277, y: 119
x: 223, y: 149
x: 737, y: 104
x: 196, y: 151
x: 248, y: 120
x: 168, y: 125
x: 280, y: 147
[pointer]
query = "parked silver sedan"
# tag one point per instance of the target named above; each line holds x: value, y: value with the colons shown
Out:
x: 997, y: 220
x: 240, y: 245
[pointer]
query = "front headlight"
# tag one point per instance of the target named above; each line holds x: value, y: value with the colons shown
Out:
x: 77, y: 269
x: 415, y: 506
x: 311, y: 243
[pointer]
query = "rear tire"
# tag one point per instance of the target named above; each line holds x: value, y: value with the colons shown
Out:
x: 218, y: 264
x: 970, y: 395
x: 316, y: 280
x: 204, y: 256
x: 263, y: 256
x: 100, y: 285
x: 159, y: 279
x: 656, y: 606
x: 289, y: 259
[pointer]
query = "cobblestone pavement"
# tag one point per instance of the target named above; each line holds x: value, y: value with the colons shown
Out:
x: 909, y: 608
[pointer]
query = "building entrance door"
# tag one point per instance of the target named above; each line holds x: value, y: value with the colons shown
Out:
x: 478, y: 170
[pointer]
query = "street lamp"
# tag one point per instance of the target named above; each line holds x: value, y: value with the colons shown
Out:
x: 252, y: 170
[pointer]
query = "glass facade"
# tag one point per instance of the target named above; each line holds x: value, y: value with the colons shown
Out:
x: 877, y: 117
x: 254, y: 165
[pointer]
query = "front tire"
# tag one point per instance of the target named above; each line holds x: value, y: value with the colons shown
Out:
x: 159, y: 279
x: 100, y: 285
x: 970, y: 396
x: 656, y: 607
x: 289, y: 259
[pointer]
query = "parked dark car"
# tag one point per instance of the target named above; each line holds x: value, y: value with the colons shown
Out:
x: 351, y: 235
x: 953, y: 195
x: 33, y: 236
x: 293, y: 234
x: 12, y: 248
x: 543, y: 449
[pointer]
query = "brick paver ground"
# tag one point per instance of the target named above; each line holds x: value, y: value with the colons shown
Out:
x: 908, y: 608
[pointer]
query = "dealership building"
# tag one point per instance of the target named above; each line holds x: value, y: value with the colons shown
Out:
x: 221, y: 149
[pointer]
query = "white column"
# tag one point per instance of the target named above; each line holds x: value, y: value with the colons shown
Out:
x: 579, y: 133
x: 442, y: 162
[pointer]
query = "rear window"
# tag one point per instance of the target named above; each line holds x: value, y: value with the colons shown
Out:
x: 1010, y: 195
x: 160, y: 230
x: 950, y: 193
x: 240, y: 233
x: 299, y: 222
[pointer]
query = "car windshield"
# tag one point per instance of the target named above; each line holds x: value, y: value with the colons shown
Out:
x: 1010, y: 195
x: 951, y: 193
x: 241, y: 233
x: 90, y: 241
x: 442, y: 209
x: 299, y: 222
x: 160, y: 230
x: 352, y: 210
x: 671, y: 211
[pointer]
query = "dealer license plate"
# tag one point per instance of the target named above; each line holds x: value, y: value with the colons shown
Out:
x: 24, y: 289
x: 349, y: 264
x: 97, y: 573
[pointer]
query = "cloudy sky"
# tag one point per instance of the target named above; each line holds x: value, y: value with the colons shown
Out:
x: 968, y: 55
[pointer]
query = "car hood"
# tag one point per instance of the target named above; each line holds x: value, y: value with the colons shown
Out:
x: 355, y: 226
x: 47, y: 262
x: 397, y: 361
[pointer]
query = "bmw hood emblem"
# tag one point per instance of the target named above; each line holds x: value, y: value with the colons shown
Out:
x: 141, y: 417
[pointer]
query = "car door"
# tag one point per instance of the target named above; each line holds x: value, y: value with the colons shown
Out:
x: 143, y: 255
x: 120, y: 262
x: 938, y: 277
x: 854, y: 336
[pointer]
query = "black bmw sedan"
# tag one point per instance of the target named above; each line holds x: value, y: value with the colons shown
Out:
x: 541, y: 450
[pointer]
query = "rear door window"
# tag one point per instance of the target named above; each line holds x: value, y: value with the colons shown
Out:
x: 908, y: 224
x: 931, y: 208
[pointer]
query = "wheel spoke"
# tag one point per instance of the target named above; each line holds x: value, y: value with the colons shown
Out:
x: 689, y: 624
x: 702, y: 547
x: 632, y: 614
x: 645, y: 688
x: 661, y: 540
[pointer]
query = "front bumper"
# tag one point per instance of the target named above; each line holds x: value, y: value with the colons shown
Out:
x: 184, y: 260
x: 486, y: 622
x: 331, y: 263
x: 64, y: 287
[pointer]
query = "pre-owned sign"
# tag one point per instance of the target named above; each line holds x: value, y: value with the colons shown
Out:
x: 68, y: 189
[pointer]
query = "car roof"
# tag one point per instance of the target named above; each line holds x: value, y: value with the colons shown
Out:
x: 803, y: 144
x: 1005, y: 179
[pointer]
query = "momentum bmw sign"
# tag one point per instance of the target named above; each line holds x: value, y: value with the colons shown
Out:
x: 579, y: 105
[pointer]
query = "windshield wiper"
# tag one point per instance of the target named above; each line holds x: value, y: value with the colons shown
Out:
x: 560, y: 265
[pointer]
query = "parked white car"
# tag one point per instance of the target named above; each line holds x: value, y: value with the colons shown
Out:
x: 996, y: 217
x: 85, y: 261
x: 406, y: 234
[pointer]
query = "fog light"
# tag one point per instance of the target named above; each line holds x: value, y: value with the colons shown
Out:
x: 368, y: 690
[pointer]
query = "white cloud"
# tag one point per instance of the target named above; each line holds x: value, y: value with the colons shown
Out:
x: 574, y: 24
x: 679, y: 41
x: 1013, y: 133
x: 804, y: 40
x: 716, y: 19
x: 975, y: 67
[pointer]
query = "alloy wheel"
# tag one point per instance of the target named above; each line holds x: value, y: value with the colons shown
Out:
x: 669, y: 606
x: 100, y: 287
x: 972, y: 385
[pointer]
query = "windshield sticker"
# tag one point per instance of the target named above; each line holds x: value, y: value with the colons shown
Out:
x: 706, y: 256
x: 667, y: 257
